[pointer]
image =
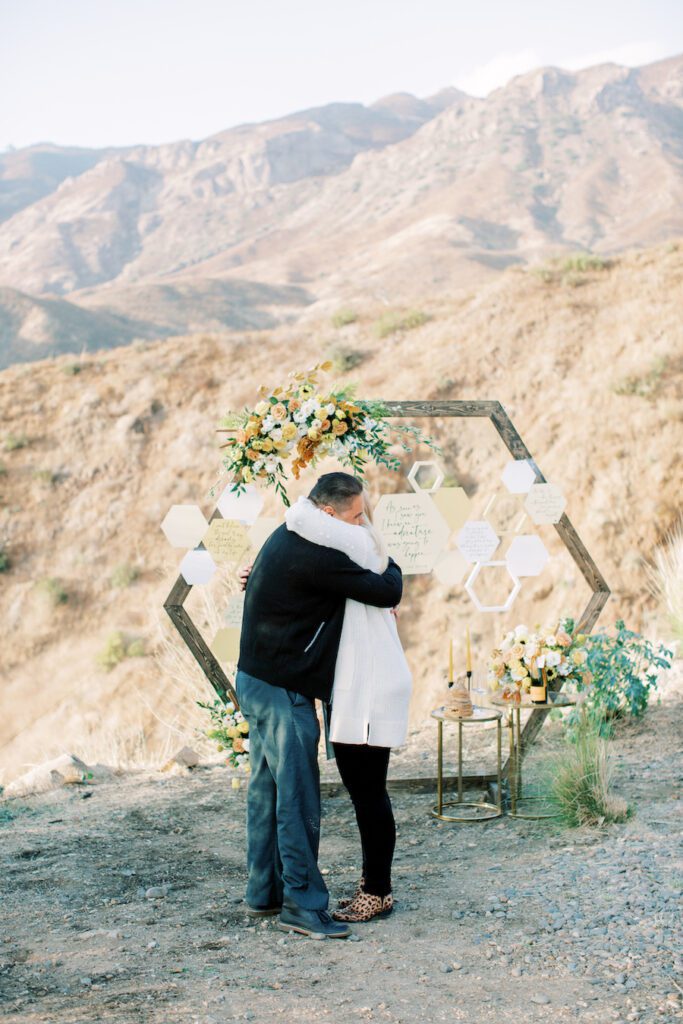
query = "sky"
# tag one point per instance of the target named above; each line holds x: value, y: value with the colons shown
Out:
x: 120, y: 72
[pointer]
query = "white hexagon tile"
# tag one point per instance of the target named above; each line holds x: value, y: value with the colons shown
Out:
x: 184, y: 526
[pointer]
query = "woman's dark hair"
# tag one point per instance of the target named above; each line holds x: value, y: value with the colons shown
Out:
x: 335, y: 489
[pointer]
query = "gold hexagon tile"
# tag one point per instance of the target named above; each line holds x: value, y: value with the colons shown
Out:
x: 226, y: 644
x: 453, y: 504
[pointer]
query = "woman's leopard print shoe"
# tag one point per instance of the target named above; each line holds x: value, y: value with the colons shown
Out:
x: 364, y: 907
x: 348, y: 900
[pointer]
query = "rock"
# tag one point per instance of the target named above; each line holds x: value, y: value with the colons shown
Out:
x: 62, y: 771
x: 157, y: 892
x: 186, y: 757
x: 85, y: 982
x: 540, y: 999
x: 446, y: 969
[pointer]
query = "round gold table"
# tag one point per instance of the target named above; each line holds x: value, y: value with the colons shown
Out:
x: 514, y: 715
x: 490, y: 810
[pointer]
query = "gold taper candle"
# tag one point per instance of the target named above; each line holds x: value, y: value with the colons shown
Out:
x: 469, y: 651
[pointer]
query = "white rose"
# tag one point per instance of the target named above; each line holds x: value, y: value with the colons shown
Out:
x: 317, y: 424
x: 330, y: 408
x: 272, y: 464
x: 276, y: 434
x: 268, y: 424
x: 302, y: 430
x: 521, y: 632
x: 552, y: 658
x: 245, y: 743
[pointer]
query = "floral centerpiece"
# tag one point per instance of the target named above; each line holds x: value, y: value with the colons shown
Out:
x: 304, y: 421
x: 558, y: 651
x: 230, y: 730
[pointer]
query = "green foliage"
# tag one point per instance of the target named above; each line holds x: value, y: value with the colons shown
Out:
x: 581, y: 262
x: 3, y: 469
x: 72, y: 369
x: 581, y: 780
x: 15, y: 441
x: 46, y: 476
x: 645, y: 385
x: 117, y: 648
x: 53, y: 590
x: 5, y: 563
x: 124, y: 575
x: 625, y: 668
x: 344, y: 317
x: 393, y: 321
x: 344, y: 358
x: 569, y: 270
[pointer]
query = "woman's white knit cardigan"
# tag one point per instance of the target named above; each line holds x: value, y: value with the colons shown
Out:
x: 372, y: 680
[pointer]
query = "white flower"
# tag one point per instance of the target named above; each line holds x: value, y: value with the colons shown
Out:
x: 317, y: 424
x: 309, y: 406
x: 552, y: 658
x: 330, y: 408
x: 368, y: 424
x: 230, y: 707
x: 267, y: 425
x: 276, y: 434
x: 272, y: 463
x: 302, y: 430
x: 564, y: 668
x: 245, y: 743
x: 258, y: 465
x: 521, y: 633
x: 290, y: 445
x: 299, y: 416
x: 550, y: 640
x: 239, y: 717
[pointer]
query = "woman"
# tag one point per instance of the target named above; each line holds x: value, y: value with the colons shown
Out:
x: 369, y: 709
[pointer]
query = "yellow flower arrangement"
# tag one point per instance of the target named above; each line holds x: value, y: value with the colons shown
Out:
x: 304, y: 421
x: 522, y: 655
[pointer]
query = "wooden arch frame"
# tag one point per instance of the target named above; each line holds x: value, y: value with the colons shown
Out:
x: 514, y: 444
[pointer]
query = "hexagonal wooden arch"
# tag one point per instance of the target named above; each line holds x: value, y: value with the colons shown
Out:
x: 514, y: 444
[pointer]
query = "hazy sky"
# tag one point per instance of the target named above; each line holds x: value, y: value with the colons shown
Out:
x: 115, y: 72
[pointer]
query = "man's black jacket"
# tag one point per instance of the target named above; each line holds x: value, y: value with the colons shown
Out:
x: 294, y: 611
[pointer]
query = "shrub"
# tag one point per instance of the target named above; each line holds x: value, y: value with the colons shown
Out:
x: 116, y: 648
x: 581, y: 783
x: 72, y: 369
x: 344, y: 317
x: 5, y: 563
x: 393, y: 321
x: 15, y: 441
x: 345, y: 359
x: 646, y: 385
x: 3, y: 469
x: 624, y: 670
x: 580, y: 262
x: 53, y: 590
x: 123, y: 575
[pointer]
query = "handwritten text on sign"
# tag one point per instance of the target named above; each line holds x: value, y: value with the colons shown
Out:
x: 414, y: 530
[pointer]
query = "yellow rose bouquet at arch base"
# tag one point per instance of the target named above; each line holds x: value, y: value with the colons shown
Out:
x: 523, y: 654
x: 304, y: 421
x: 230, y: 731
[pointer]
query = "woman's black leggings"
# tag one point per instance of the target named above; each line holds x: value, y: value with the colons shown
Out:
x: 363, y: 771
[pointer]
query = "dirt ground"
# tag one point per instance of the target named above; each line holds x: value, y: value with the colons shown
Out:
x: 507, y: 921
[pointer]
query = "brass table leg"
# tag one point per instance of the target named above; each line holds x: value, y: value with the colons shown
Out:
x: 512, y: 767
x: 439, y: 768
x: 460, y: 761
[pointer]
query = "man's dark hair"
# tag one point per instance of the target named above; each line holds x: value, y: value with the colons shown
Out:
x: 335, y: 489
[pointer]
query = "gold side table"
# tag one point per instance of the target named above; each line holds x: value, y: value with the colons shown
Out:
x: 514, y: 725
x: 490, y: 810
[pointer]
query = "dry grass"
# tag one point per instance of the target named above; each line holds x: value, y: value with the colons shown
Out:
x: 665, y: 578
x: 581, y: 786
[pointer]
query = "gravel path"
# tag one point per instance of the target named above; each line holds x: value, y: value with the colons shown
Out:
x: 123, y: 903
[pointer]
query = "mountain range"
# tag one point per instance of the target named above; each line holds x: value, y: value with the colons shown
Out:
x: 340, y: 205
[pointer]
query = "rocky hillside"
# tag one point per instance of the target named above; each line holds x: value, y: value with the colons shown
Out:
x: 586, y: 359
x: 352, y: 204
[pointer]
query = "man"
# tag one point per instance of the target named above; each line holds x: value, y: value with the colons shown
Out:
x: 293, y: 616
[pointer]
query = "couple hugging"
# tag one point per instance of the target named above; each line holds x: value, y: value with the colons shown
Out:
x: 319, y: 622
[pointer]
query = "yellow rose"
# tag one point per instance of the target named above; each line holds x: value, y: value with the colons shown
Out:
x: 516, y: 651
x: 339, y: 428
x: 313, y: 434
x: 267, y: 445
x: 243, y: 728
x: 262, y: 408
x: 232, y: 731
x: 278, y: 412
x: 578, y: 657
x: 289, y: 432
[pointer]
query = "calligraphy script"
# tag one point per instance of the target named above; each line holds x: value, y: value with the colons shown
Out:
x: 410, y: 526
x: 227, y: 540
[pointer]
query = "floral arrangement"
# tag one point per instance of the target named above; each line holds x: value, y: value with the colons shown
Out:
x: 304, y: 421
x: 230, y: 730
x: 523, y: 654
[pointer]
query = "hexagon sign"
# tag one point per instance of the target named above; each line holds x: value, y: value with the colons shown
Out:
x: 429, y: 472
x: 453, y: 504
x: 545, y: 503
x: 244, y: 506
x: 261, y: 531
x: 232, y: 616
x: 227, y: 540
x: 518, y: 476
x: 184, y: 526
x: 226, y: 644
x: 450, y: 568
x: 527, y: 555
x: 414, y: 530
x: 505, y: 512
x: 513, y: 590
x: 477, y: 541
x: 197, y: 567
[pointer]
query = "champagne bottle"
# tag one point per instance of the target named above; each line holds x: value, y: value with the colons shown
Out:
x: 539, y: 689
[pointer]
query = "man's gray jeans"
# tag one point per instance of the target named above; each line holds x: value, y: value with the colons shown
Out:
x: 283, y: 801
